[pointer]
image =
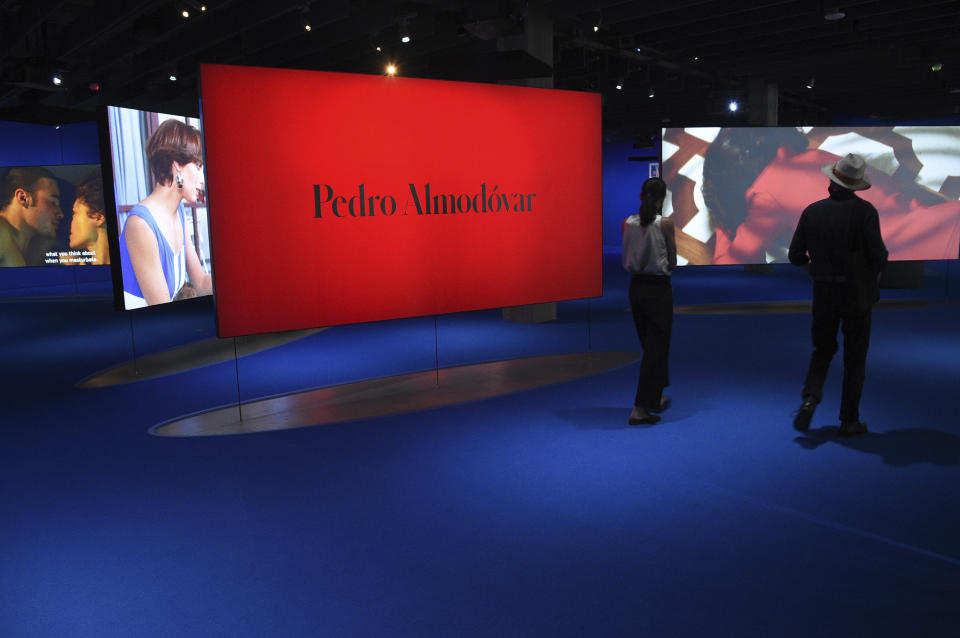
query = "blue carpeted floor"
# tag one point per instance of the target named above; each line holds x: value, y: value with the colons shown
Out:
x: 533, y: 514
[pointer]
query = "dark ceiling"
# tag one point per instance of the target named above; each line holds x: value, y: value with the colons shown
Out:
x: 877, y: 61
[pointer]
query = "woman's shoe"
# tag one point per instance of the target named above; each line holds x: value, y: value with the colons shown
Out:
x: 665, y: 402
x: 639, y: 416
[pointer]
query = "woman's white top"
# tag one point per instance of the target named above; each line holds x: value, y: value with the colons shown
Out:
x: 644, y: 247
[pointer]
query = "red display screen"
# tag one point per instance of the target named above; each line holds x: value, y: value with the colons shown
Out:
x: 339, y: 198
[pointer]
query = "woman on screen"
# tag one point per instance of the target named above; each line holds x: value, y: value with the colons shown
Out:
x: 650, y: 254
x: 155, y: 255
x: 755, y: 183
x: 88, y: 230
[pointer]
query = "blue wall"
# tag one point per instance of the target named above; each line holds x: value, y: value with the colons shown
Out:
x: 37, y: 145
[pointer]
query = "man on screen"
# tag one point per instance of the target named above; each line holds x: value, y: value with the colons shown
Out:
x: 30, y: 215
x: 839, y: 237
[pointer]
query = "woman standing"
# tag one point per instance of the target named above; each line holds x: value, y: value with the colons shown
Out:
x: 650, y: 254
x: 155, y: 255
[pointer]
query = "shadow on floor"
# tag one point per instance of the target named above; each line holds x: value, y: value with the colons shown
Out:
x: 898, y: 448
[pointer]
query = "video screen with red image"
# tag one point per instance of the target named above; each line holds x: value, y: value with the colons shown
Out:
x: 339, y: 198
x: 736, y: 194
x: 52, y: 216
x: 158, y: 204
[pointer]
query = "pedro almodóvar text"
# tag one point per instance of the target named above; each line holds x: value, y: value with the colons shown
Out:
x: 358, y: 203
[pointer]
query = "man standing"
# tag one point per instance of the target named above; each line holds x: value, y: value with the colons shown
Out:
x: 30, y: 214
x: 840, y: 238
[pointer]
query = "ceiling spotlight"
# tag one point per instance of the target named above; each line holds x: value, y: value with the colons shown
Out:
x: 651, y: 94
x: 596, y: 28
x: 307, y: 27
x: 619, y: 85
x: 810, y: 82
x: 379, y: 49
x: 173, y: 78
x: 404, y: 31
x: 405, y: 39
x: 696, y: 58
x: 733, y: 106
x: 57, y: 79
x: 391, y: 69
x: 936, y: 66
x: 185, y: 14
x: 834, y: 14
x: 203, y: 8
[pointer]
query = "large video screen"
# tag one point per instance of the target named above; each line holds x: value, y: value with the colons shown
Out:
x: 52, y: 216
x: 340, y: 198
x: 737, y: 193
x: 162, y: 251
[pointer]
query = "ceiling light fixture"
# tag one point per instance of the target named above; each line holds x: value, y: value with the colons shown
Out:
x: 57, y: 79
x: 936, y: 66
x: 173, y: 78
x: 733, y: 106
x: 619, y: 85
x: 305, y: 18
x: 391, y: 69
x: 185, y: 14
x: 651, y: 94
x: 810, y: 82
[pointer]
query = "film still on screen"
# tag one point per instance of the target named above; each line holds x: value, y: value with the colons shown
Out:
x: 159, y: 198
x: 52, y: 216
x: 736, y: 193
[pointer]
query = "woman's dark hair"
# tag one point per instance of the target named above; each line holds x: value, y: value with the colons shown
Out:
x: 173, y: 141
x: 651, y: 193
x: 733, y: 161
x: 90, y: 192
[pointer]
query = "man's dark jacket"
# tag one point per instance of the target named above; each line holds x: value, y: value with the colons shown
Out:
x: 840, y: 238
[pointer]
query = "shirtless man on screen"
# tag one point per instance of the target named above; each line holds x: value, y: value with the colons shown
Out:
x: 30, y: 213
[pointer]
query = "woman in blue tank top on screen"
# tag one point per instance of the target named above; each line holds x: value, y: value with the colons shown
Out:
x: 650, y: 253
x: 156, y: 258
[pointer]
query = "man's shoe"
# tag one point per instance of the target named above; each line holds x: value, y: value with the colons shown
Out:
x: 801, y: 421
x: 852, y: 428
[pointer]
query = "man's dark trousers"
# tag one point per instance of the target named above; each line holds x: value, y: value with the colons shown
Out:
x: 832, y: 309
